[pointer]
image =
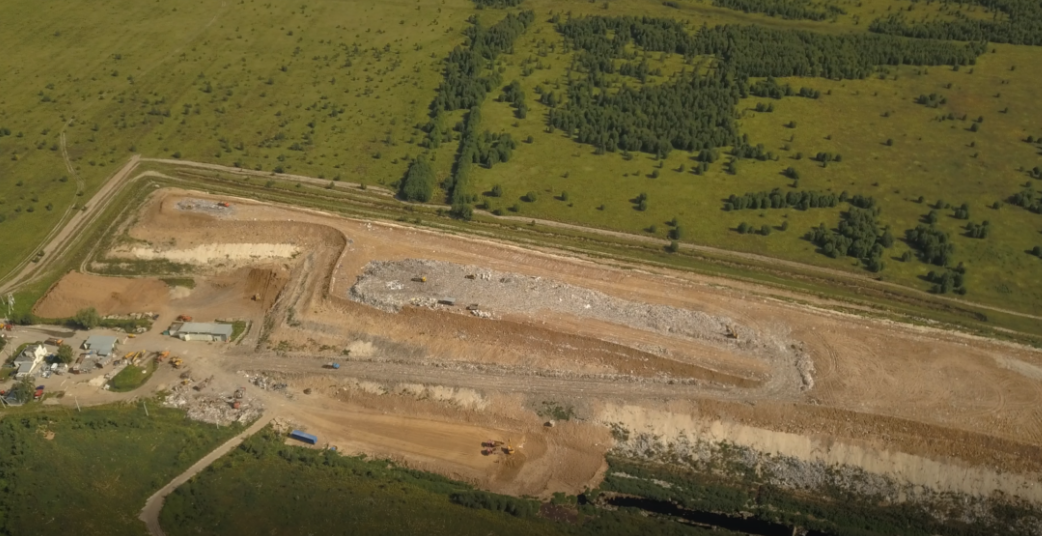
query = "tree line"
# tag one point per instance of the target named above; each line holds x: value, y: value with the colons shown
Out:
x: 463, y: 87
x: 785, y: 9
x: 775, y: 198
x: 1023, y: 24
x: 769, y: 87
x: 498, y: 4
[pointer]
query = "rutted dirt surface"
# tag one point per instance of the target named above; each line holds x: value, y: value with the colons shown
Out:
x: 649, y: 339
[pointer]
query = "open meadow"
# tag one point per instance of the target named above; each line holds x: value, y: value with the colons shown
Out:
x: 343, y: 91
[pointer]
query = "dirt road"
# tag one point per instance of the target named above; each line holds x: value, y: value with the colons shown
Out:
x: 154, y: 505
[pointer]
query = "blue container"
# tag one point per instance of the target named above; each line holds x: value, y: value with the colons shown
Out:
x: 301, y: 436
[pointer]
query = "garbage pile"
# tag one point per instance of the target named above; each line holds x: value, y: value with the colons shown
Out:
x: 217, y: 408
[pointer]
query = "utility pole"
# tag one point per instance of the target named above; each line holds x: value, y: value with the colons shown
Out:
x: 144, y: 405
x: 77, y: 404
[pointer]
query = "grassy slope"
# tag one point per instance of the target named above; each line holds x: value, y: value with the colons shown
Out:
x: 98, y: 469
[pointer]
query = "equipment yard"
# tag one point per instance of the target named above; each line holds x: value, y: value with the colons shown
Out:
x: 442, y: 344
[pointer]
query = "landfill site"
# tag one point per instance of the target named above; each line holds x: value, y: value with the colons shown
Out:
x: 519, y: 369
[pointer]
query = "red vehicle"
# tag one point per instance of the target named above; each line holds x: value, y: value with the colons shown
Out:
x: 39, y: 392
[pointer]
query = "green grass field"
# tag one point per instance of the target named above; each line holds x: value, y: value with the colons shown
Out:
x: 132, y: 377
x: 337, y: 92
x: 92, y: 470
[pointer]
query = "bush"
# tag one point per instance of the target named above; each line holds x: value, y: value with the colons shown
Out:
x: 418, y: 184
x: 497, y: 503
x: 87, y: 318
x: 530, y: 197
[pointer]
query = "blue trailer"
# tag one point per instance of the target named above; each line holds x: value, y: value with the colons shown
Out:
x: 301, y: 436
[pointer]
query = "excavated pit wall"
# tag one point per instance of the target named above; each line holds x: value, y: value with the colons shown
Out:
x: 948, y: 490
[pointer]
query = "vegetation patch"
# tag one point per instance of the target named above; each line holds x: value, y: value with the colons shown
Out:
x: 132, y: 377
x: 186, y: 282
x: 93, y: 469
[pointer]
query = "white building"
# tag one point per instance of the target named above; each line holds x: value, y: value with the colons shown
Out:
x: 204, y: 331
x: 29, y: 359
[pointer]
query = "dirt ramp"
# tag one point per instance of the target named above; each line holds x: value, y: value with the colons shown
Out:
x: 109, y: 295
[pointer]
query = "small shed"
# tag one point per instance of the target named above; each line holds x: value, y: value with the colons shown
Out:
x: 204, y: 331
x: 102, y: 345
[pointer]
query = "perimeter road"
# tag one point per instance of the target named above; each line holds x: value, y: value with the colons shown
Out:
x: 150, y: 513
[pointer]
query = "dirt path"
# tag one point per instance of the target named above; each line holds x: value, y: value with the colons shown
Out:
x: 154, y: 505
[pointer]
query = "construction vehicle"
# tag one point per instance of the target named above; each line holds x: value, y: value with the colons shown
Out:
x: 732, y: 333
x: 421, y: 279
x: 334, y: 366
x: 487, y: 452
x: 508, y: 449
x: 54, y: 342
x: 162, y: 356
x: 186, y: 375
x: 177, y: 362
x: 471, y: 276
x: 184, y: 318
x: 223, y: 204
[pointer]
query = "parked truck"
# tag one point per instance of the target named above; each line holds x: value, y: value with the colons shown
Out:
x: 334, y: 366
x: 305, y: 437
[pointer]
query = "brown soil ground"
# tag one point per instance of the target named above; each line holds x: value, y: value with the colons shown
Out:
x: 109, y: 295
x: 888, y: 386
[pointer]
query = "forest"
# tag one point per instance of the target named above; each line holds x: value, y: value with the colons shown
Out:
x: 1023, y: 25
x: 694, y: 112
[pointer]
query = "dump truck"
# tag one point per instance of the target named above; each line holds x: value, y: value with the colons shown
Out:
x: 54, y: 342
x: 223, y: 204
x: 184, y: 318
